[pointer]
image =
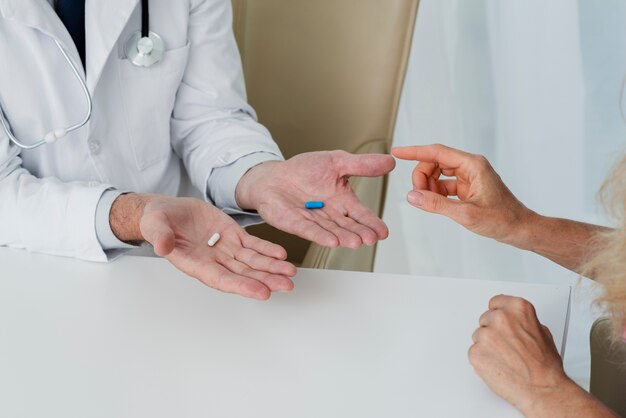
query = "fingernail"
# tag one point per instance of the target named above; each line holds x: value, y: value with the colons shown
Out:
x: 416, y: 198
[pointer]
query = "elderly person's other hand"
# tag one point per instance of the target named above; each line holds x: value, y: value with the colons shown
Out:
x: 514, y: 354
x: 485, y: 205
x: 516, y: 357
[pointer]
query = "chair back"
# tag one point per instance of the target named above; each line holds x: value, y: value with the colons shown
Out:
x: 324, y: 75
x: 608, y: 367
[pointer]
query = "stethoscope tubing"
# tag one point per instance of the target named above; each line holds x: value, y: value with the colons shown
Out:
x: 145, y: 18
x: 65, y: 131
x: 58, y: 133
x: 83, y: 86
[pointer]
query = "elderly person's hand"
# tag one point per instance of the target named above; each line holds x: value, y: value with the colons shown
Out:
x: 484, y: 205
x: 475, y: 196
x: 516, y: 357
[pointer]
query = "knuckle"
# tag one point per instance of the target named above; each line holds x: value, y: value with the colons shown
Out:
x: 546, y: 331
x: 473, y: 355
x: 523, y: 306
x: 481, y: 160
x: 493, y: 301
x: 476, y: 335
x: 501, y: 319
x: 273, y: 265
x: 482, y: 163
x: 435, y: 204
x: 487, y: 337
x: 338, y: 154
x: 498, y: 317
x: 439, y: 149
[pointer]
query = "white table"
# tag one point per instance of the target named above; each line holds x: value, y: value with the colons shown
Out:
x: 135, y: 338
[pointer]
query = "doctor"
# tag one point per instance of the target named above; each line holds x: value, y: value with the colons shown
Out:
x: 104, y: 104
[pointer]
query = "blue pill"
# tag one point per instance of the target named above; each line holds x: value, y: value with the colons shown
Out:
x: 314, y: 205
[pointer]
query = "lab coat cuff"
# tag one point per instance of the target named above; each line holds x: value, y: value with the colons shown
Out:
x: 222, y: 185
x: 82, y: 240
x: 109, y: 242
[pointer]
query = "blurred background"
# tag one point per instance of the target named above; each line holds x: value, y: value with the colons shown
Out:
x: 534, y: 86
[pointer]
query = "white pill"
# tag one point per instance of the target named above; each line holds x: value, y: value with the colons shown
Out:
x: 214, y: 239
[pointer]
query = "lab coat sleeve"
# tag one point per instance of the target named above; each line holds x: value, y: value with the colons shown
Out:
x: 113, y: 247
x: 212, y: 124
x: 46, y: 215
x: 223, y: 184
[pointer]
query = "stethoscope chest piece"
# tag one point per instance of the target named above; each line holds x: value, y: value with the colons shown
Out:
x: 144, y: 51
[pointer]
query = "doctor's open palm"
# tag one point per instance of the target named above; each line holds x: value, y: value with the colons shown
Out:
x: 180, y: 228
x: 279, y: 191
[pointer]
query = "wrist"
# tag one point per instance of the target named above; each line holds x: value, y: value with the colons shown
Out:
x: 549, y: 401
x: 248, y: 189
x: 125, y: 217
x: 523, y: 231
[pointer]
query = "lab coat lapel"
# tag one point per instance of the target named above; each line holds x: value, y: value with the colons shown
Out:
x: 40, y: 15
x: 105, y: 21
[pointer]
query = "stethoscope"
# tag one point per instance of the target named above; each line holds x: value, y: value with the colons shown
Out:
x: 143, y: 49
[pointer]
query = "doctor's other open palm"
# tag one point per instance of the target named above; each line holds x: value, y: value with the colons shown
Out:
x: 279, y: 191
x: 180, y: 228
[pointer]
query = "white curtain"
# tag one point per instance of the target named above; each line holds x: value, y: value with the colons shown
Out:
x: 535, y: 87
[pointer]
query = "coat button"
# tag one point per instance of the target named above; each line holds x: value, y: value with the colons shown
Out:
x: 94, y: 147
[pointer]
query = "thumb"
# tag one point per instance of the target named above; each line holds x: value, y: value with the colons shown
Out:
x: 156, y: 229
x: 364, y: 165
x: 436, y: 203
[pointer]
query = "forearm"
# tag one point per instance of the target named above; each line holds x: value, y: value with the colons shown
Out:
x: 567, y: 243
x: 570, y: 401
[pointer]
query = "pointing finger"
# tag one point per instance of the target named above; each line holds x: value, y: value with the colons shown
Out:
x: 445, y: 156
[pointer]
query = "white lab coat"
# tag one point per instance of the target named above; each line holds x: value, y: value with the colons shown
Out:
x: 189, y: 109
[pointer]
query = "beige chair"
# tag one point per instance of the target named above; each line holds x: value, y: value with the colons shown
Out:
x: 608, y: 367
x: 323, y: 75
